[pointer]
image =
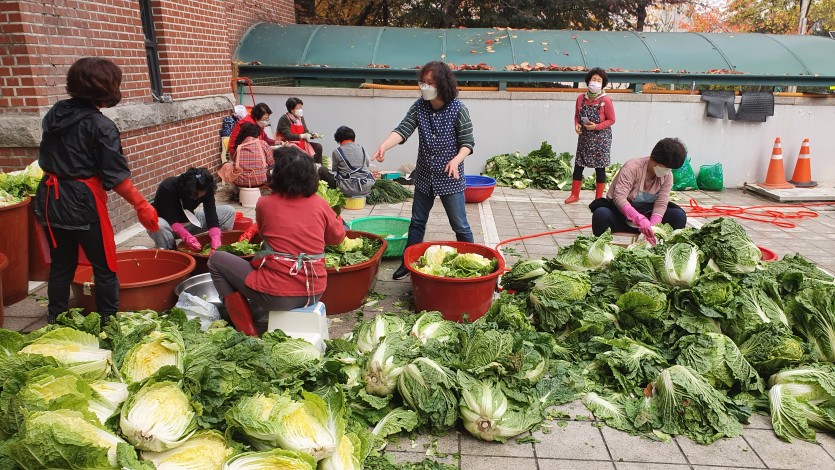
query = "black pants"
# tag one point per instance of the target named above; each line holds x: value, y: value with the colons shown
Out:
x: 600, y: 174
x: 611, y: 218
x: 64, y: 262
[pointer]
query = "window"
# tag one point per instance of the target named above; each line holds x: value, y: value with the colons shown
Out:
x: 151, y: 48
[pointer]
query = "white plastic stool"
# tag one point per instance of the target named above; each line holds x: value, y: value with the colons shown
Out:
x: 249, y: 196
x: 308, y: 323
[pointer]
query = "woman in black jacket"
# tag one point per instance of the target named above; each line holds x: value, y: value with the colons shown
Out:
x: 81, y: 156
x: 176, y: 202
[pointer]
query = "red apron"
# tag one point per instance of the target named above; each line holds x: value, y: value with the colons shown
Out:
x: 302, y: 144
x: 93, y: 183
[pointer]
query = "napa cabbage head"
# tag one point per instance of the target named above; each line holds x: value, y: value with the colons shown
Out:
x: 472, y: 265
x: 347, y: 455
x: 523, y: 274
x: 308, y: 426
x: 644, y: 301
x: 63, y: 439
x: 679, y: 265
x: 205, y: 449
x: 725, y: 242
x: 431, y: 325
x: 561, y: 286
x: 158, y: 349
x: 291, y: 355
x: 771, y: 349
x: 368, y: 334
x: 349, y: 244
x: 54, y: 388
x: 271, y: 460
x: 158, y: 417
x: 76, y: 350
x: 436, y: 254
x: 385, y: 365
x: 487, y: 413
x: 257, y: 417
x: 429, y: 388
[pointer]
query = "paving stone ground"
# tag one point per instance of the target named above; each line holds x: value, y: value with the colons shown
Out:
x: 580, y: 442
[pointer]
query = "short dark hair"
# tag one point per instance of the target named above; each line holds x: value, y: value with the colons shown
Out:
x: 597, y: 71
x: 248, y: 130
x: 260, y: 110
x: 96, y: 80
x: 294, y: 173
x: 193, y: 181
x: 669, y: 152
x: 444, y: 80
x: 292, y: 103
x: 344, y: 133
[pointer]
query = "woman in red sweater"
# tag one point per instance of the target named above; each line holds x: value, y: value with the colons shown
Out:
x: 593, y: 119
x: 295, y: 225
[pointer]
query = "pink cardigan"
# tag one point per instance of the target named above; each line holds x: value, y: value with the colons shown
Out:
x: 625, y: 186
x: 607, y: 110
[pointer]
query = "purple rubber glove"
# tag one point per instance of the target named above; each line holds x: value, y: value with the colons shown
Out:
x: 645, y: 227
x: 214, y: 236
x: 188, y: 238
x: 655, y: 219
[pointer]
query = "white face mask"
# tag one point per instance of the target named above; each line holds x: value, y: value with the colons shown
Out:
x: 298, y: 112
x: 264, y: 123
x: 595, y: 87
x: 428, y: 92
x: 660, y: 172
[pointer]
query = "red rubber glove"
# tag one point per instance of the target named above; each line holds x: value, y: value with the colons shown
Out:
x: 633, y: 215
x: 147, y: 214
x: 249, y: 233
x: 655, y: 219
x: 214, y: 236
x: 188, y: 238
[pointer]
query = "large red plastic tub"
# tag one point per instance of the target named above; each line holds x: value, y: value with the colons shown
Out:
x: 348, y: 286
x: 450, y: 296
x: 14, y: 243
x: 4, y: 263
x: 147, y: 279
x: 226, y: 238
x: 479, y: 188
x: 768, y: 255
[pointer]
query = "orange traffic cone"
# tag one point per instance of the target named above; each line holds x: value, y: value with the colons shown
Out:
x: 776, y: 176
x: 802, y: 177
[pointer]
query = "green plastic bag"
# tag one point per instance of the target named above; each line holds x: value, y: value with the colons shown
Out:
x: 684, y: 177
x: 710, y: 177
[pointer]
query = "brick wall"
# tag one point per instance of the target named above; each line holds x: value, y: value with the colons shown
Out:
x: 196, y: 40
x: 39, y: 41
x: 155, y: 153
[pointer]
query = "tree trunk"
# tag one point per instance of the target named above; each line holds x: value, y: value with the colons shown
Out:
x: 641, y: 15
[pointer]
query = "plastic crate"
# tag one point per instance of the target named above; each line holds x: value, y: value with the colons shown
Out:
x: 385, y: 226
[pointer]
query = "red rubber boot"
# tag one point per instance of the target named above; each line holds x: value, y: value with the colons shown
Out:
x: 598, y: 193
x: 575, y: 191
x: 237, y: 307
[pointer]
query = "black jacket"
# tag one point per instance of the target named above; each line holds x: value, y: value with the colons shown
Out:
x: 169, y: 204
x: 78, y: 142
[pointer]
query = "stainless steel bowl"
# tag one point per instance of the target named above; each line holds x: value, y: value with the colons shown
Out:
x: 201, y: 286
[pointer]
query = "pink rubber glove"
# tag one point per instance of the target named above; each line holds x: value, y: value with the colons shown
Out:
x: 214, y: 236
x: 632, y: 214
x: 188, y: 238
x: 645, y: 227
x: 655, y: 219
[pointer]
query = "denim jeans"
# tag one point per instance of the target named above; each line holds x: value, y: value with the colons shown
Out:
x: 456, y: 212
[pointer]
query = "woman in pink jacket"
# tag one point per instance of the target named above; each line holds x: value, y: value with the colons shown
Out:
x: 639, y: 196
x: 593, y: 119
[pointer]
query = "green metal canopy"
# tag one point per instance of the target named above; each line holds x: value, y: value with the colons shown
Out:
x: 357, y: 52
